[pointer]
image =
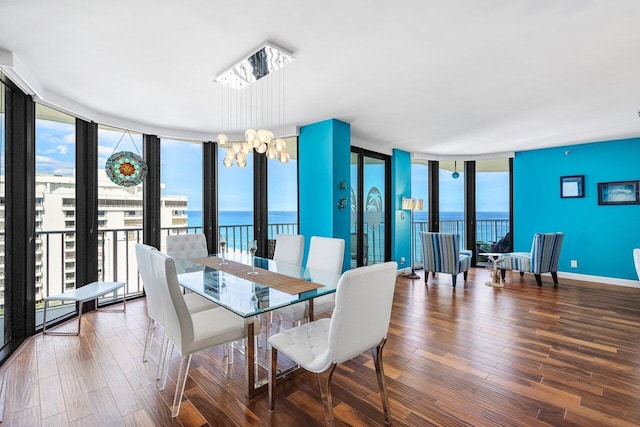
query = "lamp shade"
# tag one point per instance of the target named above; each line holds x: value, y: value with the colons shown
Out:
x: 411, y: 204
x: 407, y: 203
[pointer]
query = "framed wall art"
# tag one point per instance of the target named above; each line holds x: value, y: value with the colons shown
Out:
x: 572, y: 186
x: 619, y: 193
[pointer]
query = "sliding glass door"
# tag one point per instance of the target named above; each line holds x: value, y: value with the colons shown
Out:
x: 369, y: 208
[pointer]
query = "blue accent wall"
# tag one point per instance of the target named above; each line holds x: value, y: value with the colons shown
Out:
x: 600, y: 238
x: 400, y: 220
x: 324, y: 156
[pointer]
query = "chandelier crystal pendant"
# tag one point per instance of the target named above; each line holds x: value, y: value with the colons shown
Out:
x: 250, y: 106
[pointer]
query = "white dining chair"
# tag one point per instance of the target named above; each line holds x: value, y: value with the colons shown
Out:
x: 289, y: 248
x: 636, y: 260
x: 189, y: 332
x: 194, y: 302
x: 326, y: 254
x: 185, y: 247
x: 360, y: 321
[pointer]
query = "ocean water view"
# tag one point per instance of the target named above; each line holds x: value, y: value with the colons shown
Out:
x: 226, y: 218
x: 287, y: 217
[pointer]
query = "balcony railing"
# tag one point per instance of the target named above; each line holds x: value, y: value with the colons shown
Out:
x: 116, y: 251
x: 487, y: 231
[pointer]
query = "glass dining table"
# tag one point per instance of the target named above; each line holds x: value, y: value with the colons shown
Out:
x: 236, y: 287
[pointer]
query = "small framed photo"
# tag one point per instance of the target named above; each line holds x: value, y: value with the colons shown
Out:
x: 619, y: 193
x: 572, y: 186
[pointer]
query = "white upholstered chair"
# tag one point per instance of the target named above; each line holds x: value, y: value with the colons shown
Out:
x: 636, y: 260
x: 189, y: 332
x: 326, y: 254
x: 360, y: 321
x: 289, y: 248
x: 185, y: 247
x: 194, y: 302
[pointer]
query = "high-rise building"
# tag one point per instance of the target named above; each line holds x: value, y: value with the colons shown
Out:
x: 119, y: 229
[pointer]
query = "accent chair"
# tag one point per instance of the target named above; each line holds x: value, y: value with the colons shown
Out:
x: 441, y: 253
x: 543, y: 258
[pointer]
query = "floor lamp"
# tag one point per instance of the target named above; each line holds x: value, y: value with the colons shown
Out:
x: 412, y: 204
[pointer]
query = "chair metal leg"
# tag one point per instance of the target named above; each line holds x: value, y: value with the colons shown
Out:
x: 162, y: 357
x: 377, y: 360
x: 167, y: 361
x: 44, y: 320
x: 185, y: 362
x: 273, y: 372
x: 324, y: 378
x: 151, y: 328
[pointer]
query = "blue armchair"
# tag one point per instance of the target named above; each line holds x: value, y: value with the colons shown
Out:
x: 543, y: 258
x: 441, y: 254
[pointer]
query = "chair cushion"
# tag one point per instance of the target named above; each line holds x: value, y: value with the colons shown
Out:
x: 214, y: 327
x: 196, y: 303
x: 299, y: 311
x: 292, y: 312
x: 465, y: 262
x: 520, y: 261
x: 307, y: 344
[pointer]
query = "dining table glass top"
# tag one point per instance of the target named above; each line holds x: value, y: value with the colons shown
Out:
x: 242, y: 294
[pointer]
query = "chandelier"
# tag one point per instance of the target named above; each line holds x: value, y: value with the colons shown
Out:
x: 250, y: 108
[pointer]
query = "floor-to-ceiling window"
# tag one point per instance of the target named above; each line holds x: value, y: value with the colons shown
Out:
x: 5, y: 332
x: 419, y: 190
x: 282, y: 193
x: 451, y: 201
x: 55, y: 205
x: 180, y: 188
x: 235, y: 201
x: 492, y: 206
x: 120, y: 211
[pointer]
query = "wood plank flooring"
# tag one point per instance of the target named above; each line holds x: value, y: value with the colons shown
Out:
x: 521, y: 355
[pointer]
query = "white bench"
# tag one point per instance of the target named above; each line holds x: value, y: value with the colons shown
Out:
x: 89, y: 292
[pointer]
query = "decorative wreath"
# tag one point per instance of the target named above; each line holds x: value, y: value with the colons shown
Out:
x: 126, y: 168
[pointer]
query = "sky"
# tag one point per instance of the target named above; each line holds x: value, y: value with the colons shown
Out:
x: 180, y: 166
x: 181, y: 172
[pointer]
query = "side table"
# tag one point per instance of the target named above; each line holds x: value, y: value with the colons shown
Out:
x: 495, y: 259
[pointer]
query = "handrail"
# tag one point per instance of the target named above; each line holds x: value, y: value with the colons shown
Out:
x: 116, y: 245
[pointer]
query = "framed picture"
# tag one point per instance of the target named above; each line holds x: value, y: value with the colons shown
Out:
x: 572, y: 186
x: 619, y: 193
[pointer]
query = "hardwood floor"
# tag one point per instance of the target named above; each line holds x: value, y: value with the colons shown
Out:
x: 476, y: 355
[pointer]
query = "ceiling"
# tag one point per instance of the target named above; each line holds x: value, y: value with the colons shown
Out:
x: 441, y: 79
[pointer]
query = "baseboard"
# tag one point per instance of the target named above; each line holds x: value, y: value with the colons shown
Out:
x: 575, y: 276
x: 599, y: 279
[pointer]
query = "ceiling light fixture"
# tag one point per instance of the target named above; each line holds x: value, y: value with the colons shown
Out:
x: 455, y: 173
x: 250, y: 106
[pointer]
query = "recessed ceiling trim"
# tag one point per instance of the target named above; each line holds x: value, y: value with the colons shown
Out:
x: 13, y: 68
x: 489, y: 156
